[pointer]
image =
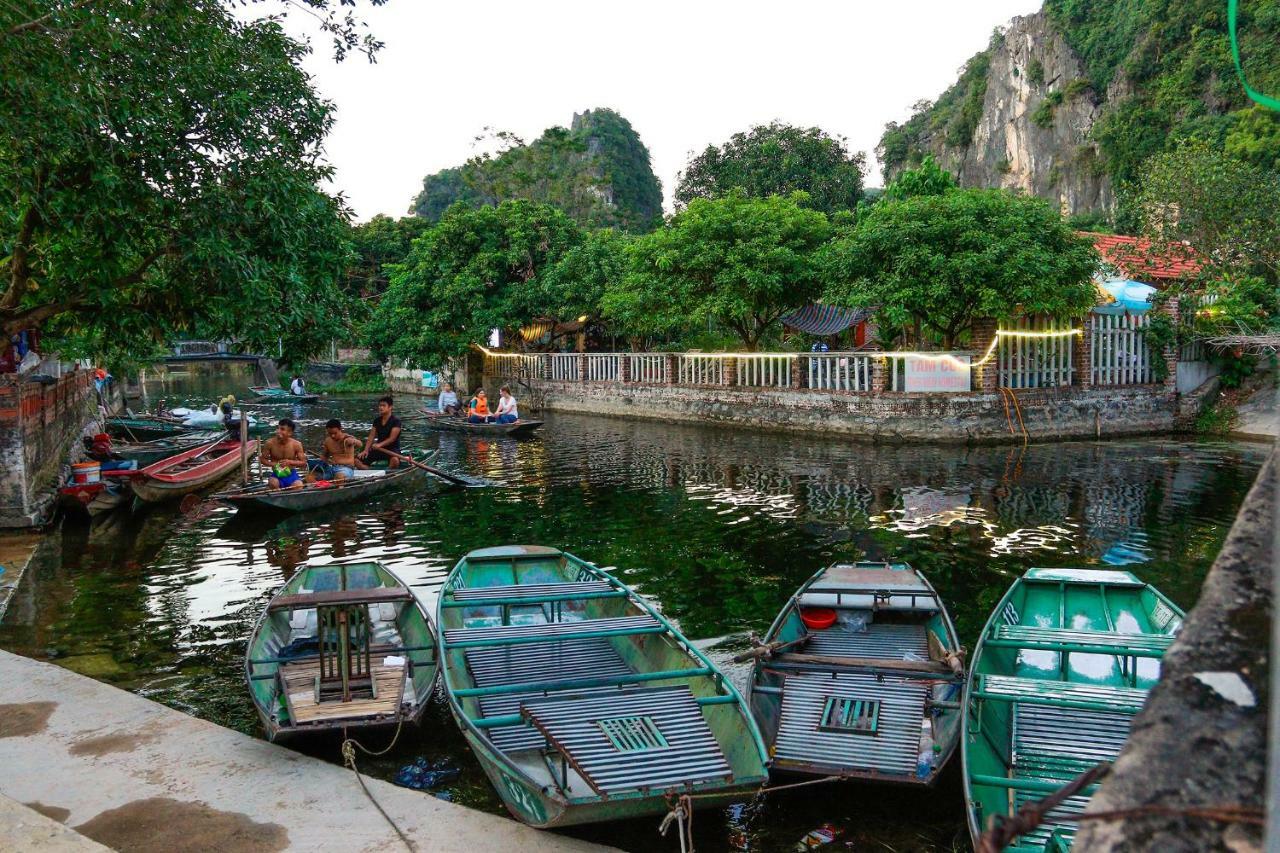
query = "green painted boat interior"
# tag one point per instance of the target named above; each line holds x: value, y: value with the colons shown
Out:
x: 1063, y: 665
x: 581, y: 689
x: 398, y: 629
x: 884, y: 664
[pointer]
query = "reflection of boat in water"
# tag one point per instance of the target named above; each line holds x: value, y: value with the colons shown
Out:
x: 1062, y: 666
x: 859, y: 677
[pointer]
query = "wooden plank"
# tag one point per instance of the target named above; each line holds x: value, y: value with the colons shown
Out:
x: 299, y: 683
x: 879, y: 663
x: 308, y: 601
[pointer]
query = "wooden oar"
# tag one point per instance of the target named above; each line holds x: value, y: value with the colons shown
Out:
x: 767, y: 650
x: 456, y: 479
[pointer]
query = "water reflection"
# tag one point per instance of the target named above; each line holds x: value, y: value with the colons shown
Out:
x: 718, y: 527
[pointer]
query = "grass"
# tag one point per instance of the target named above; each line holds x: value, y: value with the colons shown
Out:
x: 1218, y: 419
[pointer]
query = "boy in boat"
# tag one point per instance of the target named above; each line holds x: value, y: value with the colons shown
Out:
x: 479, y: 409
x: 339, y: 452
x: 283, y: 456
x: 384, y: 436
x: 507, y: 411
x: 447, y: 404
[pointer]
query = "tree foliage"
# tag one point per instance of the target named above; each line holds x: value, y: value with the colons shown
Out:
x: 597, y: 171
x: 937, y: 262
x: 738, y: 260
x: 159, y: 163
x: 475, y: 270
x: 778, y: 159
x: 927, y: 179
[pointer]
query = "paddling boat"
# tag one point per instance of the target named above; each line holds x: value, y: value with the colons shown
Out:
x: 260, y: 497
x: 452, y: 423
x: 860, y: 676
x: 1063, y: 665
x: 281, y: 395
x: 148, y: 452
x: 188, y: 471
x: 581, y: 702
x: 143, y: 429
x: 342, y: 646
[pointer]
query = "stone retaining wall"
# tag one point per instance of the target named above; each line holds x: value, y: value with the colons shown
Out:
x: 39, y: 425
x: 888, y: 417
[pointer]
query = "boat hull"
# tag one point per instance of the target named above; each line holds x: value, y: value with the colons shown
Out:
x: 91, y: 501
x: 448, y: 423
x: 153, y: 485
x: 309, y: 498
x: 276, y: 395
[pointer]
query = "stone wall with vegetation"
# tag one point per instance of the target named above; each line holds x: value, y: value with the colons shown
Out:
x: 39, y: 426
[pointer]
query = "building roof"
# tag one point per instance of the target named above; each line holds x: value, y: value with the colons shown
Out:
x: 1136, y: 258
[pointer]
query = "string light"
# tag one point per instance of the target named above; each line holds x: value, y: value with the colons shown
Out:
x: 923, y: 356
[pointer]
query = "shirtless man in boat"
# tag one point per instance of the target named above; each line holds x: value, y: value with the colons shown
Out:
x: 339, y: 452
x: 283, y: 456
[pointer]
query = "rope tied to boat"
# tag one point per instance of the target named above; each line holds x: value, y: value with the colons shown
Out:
x: 681, y: 814
x: 349, y: 747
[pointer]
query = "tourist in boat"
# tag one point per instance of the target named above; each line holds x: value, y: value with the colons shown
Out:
x: 283, y: 456
x: 447, y: 404
x: 507, y: 411
x: 298, y: 387
x: 384, y: 436
x: 339, y: 452
x: 479, y: 409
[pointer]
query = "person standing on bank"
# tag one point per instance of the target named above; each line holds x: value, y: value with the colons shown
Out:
x: 384, y: 436
x: 507, y: 411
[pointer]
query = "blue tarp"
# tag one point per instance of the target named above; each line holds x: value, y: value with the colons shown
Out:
x: 1131, y: 296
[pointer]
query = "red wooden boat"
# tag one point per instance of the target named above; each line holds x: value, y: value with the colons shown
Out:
x: 189, y: 471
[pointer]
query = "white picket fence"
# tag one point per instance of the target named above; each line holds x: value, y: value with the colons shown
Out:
x: 1120, y: 354
x: 648, y: 368
x: 836, y: 371
x: 1033, y: 362
x: 764, y: 371
x: 699, y: 370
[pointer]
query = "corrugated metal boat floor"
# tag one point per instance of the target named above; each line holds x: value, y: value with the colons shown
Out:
x: 878, y: 641
x: 893, y: 748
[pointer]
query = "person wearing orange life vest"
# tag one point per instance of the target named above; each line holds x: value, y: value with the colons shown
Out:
x: 479, y: 409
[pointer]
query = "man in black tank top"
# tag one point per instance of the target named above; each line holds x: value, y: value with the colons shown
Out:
x: 384, y: 436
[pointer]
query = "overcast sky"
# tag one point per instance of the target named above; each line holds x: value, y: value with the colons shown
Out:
x: 685, y: 74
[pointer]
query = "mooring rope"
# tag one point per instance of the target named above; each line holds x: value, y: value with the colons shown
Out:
x: 349, y: 747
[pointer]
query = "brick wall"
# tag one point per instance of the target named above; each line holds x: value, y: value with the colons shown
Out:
x: 888, y: 417
x: 40, y: 425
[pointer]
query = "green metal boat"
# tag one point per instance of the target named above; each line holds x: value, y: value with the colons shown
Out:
x: 149, y: 452
x: 341, y: 646
x: 1063, y: 665
x: 140, y: 429
x: 860, y: 676
x: 581, y: 702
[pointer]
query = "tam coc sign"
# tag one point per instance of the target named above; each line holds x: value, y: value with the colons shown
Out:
x: 936, y: 375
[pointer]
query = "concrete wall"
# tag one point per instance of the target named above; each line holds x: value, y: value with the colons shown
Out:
x: 888, y: 417
x: 39, y: 426
x: 1192, y: 374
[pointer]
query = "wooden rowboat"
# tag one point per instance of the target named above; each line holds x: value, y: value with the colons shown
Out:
x: 341, y: 646
x: 148, y: 452
x: 280, y: 395
x: 452, y: 423
x: 874, y: 695
x: 581, y: 702
x: 189, y: 471
x: 142, y: 429
x: 1063, y: 665
x: 94, y: 499
x: 259, y: 497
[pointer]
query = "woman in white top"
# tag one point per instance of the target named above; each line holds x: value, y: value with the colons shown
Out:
x: 447, y: 403
x: 507, y: 412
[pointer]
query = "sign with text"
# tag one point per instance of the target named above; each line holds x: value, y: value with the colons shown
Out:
x: 936, y: 375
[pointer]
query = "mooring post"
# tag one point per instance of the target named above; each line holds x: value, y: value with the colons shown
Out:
x: 244, y: 447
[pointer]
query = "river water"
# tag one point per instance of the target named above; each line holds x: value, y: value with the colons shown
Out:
x: 716, y: 526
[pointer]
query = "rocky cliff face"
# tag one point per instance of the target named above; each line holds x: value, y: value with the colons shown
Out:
x: 1033, y: 132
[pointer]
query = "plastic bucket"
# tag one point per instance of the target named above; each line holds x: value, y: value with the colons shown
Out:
x: 86, y: 472
x: 818, y: 618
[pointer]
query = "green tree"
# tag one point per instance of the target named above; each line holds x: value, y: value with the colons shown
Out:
x: 1226, y: 209
x: 1255, y: 138
x: 927, y: 179
x: 938, y: 262
x: 159, y: 164
x: 576, y: 285
x: 475, y: 270
x: 778, y: 159
x: 738, y: 260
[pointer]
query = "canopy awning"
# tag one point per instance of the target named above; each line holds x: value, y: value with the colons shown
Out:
x: 825, y: 319
x: 1126, y: 295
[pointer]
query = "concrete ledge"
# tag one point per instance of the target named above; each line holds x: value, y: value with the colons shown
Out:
x: 16, y: 551
x: 130, y: 773
x: 27, y: 829
x: 1201, y: 740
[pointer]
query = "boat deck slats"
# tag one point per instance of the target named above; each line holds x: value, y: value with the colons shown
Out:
x: 550, y: 662
x: 878, y: 641
x: 1095, y: 642
x: 299, y: 682
x: 1037, y: 691
x: 502, y: 635
x: 533, y: 592
x: 1041, y: 733
x: 684, y: 752
x: 520, y: 736
x: 894, y: 746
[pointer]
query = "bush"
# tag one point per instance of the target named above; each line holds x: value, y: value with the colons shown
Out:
x: 1043, y: 115
x: 1035, y: 73
x: 1218, y: 419
x: 359, y: 379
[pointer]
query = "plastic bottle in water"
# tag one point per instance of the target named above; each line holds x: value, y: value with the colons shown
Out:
x: 924, y: 764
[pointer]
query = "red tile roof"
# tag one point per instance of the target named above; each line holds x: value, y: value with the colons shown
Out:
x: 1136, y: 259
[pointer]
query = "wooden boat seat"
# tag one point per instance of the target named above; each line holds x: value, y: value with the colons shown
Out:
x: 926, y: 666
x: 878, y: 641
x: 1036, y: 691
x: 650, y: 739
x: 532, y: 593
x: 507, y: 635
x: 893, y: 747
x: 1089, y: 642
x: 298, y: 682
x: 374, y: 595
x: 563, y: 660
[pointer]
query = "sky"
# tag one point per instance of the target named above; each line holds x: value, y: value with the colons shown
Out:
x: 685, y: 74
